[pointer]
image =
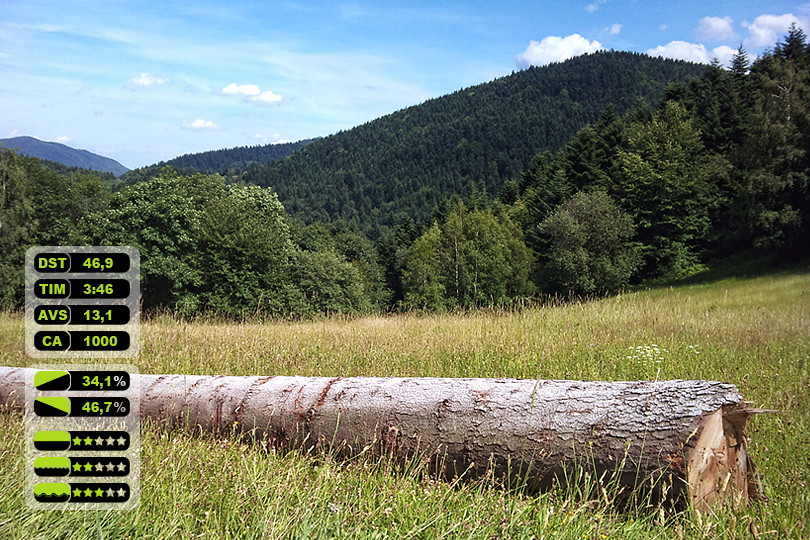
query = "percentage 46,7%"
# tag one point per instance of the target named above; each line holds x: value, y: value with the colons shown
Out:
x: 104, y: 407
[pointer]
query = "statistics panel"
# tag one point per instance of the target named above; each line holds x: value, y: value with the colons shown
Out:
x: 82, y: 302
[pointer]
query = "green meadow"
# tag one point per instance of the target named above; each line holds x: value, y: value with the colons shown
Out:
x: 750, y: 331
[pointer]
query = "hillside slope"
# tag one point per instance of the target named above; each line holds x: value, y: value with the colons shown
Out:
x: 409, y: 161
x: 60, y: 153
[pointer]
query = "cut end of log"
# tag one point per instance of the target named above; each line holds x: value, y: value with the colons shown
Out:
x: 719, y: 471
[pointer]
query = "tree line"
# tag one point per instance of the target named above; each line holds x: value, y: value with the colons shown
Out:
x: 230, y: 162
x: 719, y: 166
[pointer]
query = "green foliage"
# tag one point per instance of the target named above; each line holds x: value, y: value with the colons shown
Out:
x: 590, y: 249
x: 161, y: 217
x: 667, y: 190
x: 16, y: 228
x: 585, y: 162
x: 421, y: 278
x: 545, y: 186
x: 773, y: 164
x: 393, y: 248
x: 352, y: 246
x: 324, y: 282
x: 39, y: 206
x: 472, y: 258
x: 244, y: 253
x: 208, y: 247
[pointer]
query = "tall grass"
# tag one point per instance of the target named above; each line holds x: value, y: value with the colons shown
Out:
x: 753, y: 332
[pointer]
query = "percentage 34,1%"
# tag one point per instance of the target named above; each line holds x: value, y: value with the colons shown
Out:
x: 114, y: 381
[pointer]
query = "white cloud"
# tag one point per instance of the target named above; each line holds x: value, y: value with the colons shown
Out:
x: 681, y: 50
x: 715, y: 28
x: 590, y: 8
x: 253, y: 93
x: 200, y: 123
x: 555, y: 49
x: 275, y: 138
x: 693, y: 52
x: 663, y: 27
x: 145, y: 80
x: 268, y: 97
x: 766, y: 30
x: 64, y: 139
x: 724, y: 54
x: 242, y: 89
x: 614, y: 29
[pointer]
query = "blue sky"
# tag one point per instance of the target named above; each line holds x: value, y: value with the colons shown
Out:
x: 143, y: 81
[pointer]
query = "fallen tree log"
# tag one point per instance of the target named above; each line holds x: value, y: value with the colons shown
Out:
x: 676, y: 440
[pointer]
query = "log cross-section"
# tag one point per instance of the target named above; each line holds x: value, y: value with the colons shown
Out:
x: 687, y: 436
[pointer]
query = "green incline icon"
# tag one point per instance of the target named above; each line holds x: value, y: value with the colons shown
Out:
x: 50, y: 441
x: 52, y: 406
x: 52, y: 466
x: 51, y: 380
x: 52, y: 492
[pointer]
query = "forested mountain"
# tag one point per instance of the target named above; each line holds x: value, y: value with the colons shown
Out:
x: 409, y: 161
x: 65, y: 155
x: 229, y: 161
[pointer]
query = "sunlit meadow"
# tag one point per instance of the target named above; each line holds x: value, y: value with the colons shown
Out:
x: 753, y: 332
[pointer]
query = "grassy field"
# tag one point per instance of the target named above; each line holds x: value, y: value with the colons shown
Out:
x: 753, y: 332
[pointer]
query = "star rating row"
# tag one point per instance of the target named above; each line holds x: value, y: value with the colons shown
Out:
x: 98, y: 492
x: 100, y: 441
x: 84, y: 466
x: 99, y: 466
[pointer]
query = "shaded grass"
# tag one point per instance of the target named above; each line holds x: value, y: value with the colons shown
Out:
x: 751, y: 331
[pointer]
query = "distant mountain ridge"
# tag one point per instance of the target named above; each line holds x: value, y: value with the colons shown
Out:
x: 63, y: 154
x: 407, y: 162
x: 220, y: 161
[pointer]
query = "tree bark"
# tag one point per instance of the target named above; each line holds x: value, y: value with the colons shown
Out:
x: 675, y: 440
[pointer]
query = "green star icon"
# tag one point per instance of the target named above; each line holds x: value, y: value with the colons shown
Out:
x: 88, y: 492
x: 88, y: 466
x: 77, y: 467
x: 88, y: 441
x: 77, y: 492
x: 99, y: 492
x: 77, y: 441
